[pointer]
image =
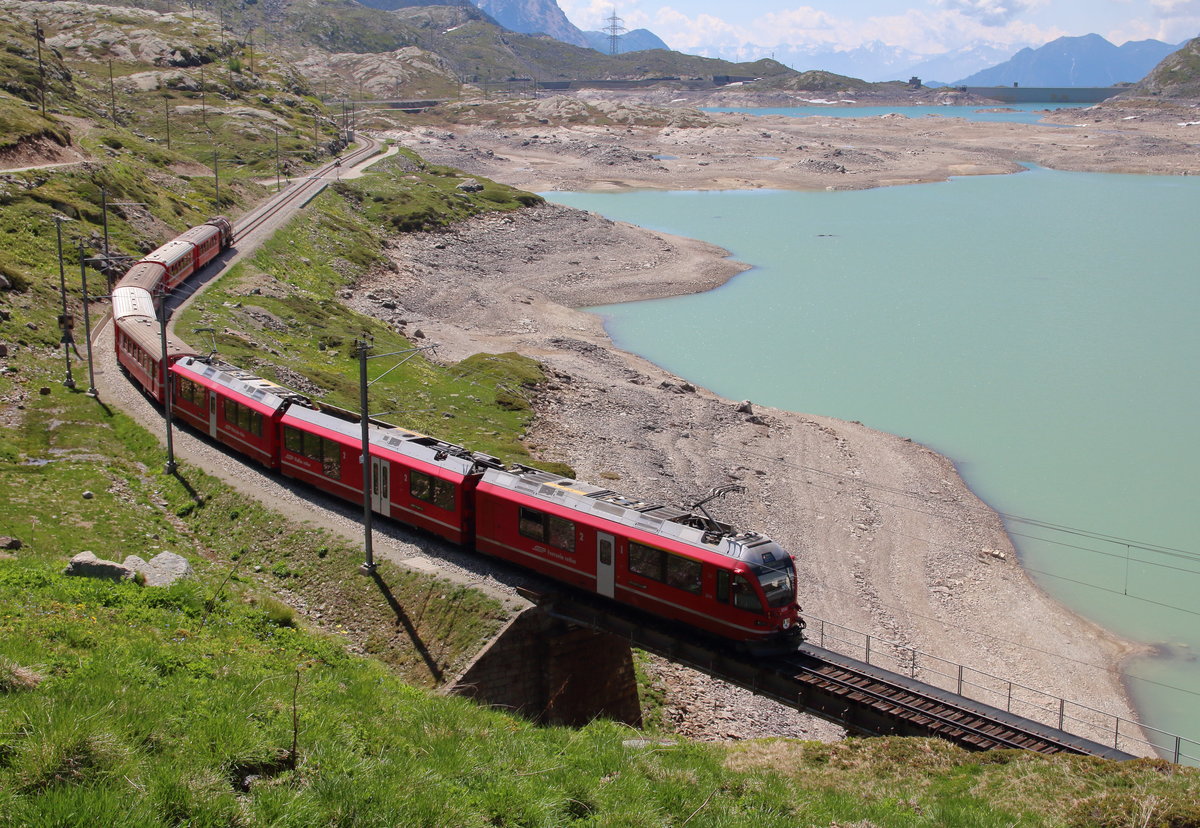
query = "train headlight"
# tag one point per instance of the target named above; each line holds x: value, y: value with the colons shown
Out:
x: 787, y: 622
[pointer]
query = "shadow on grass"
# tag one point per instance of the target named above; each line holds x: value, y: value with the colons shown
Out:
x: 196, y: 497
x: 403, y: 620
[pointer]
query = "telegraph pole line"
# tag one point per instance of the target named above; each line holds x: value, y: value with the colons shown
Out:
x: 362, y: 346
x: 39, y: 35
x: 371, y: 484
x: 112, y: 95
x: 167, y: 111
x: 65, y: 320
x: 87, y: 323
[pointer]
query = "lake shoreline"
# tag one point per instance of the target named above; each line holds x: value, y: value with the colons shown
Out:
x: 513, y: 282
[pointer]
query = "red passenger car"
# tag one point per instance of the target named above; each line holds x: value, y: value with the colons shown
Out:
x: 323, y: 450
x: 206, y: 244
x: 426, y: 482
x: 139, y: 340
x: 231, y: 405
x: 675, y: 564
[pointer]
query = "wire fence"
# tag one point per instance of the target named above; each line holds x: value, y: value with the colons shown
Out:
x: 1036, y: 705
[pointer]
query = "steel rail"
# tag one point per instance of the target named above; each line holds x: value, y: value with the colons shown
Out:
x: 307, y: 187
x: 957, y: 723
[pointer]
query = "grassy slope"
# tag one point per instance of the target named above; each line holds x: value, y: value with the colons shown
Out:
x: 279, y: 313
x: 129, y: 705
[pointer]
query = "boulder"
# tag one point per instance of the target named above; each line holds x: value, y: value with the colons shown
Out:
x: 10, y: 543
x: 744, y: 407
x: 87, y: 565
x: 469, y: 186
x: 163, y: 569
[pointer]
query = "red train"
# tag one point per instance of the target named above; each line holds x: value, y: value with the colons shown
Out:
x: 669, y: 562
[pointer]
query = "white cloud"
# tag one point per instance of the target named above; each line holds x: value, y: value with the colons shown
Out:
x: 920, y: 31
x: 990, y: 12
x: 1176, y: 8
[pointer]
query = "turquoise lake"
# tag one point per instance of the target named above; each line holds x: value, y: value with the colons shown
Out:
x: 1039, y: 329
x: 1021, y: 113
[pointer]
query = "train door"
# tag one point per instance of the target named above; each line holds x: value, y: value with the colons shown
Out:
x: 212, y: 413
x: 605, y: 568
x: 380, y: 473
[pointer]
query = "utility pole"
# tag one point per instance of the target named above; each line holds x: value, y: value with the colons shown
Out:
x: 39, y: 36
x: 112, y: 95
x: 362, y: 345
x: 170, y: 466
x: 87, y: 323
x: 64, y: 321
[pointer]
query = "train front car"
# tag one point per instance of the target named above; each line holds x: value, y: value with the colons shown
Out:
x: 669, y: 562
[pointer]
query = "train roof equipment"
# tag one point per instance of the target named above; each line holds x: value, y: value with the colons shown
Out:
x: 260, y: 394
x: 665, y: 521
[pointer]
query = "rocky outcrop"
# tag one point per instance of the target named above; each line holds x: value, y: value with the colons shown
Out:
x: 163, y: 569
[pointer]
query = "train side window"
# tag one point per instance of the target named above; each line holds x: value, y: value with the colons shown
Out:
x: 744, y: 596
x: 723, y: 586
x: 420, y: 486
x: 683, y: 573
x: 312, y: 446
x: 331, y: 460
x: 230, y: 412
x: 646, y: 561
x: 532, y: 524
x: 562, y: 533
x: 443, y: 494
x: 293, y: 440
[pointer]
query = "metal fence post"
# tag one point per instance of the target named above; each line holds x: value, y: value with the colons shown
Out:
x: 1062, y: 713
x: 1177, y: 750
x: 960, y: 682
x: 868, y: 656
x: 913, y: 670
x: 1008, y: 704
x: 822, y: 633
x: 1116, y: 730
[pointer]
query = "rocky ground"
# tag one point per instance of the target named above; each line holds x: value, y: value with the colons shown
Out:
x: 545, y: 149
x: 889, y: 540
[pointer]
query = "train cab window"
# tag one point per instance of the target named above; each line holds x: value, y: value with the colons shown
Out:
x: 431, y: 489
x: 547, y: 528
x: 723, y: 586
x: 744, y: 596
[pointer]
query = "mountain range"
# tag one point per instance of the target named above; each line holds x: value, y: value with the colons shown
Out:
x: 1089, y: 60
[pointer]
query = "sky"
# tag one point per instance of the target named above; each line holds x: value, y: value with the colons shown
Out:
x: 926, y: 27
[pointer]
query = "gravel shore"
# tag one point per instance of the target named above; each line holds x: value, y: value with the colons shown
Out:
x: 889, y: 540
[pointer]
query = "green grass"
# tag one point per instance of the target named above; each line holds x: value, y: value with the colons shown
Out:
x: 280, y: 313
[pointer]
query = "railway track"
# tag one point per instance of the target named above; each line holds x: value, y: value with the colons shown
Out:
x: 301, y: 192
x: 863, y: 698
x: 912, y: 707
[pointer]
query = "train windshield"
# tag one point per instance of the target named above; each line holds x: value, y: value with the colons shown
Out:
x: 779, y: 585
